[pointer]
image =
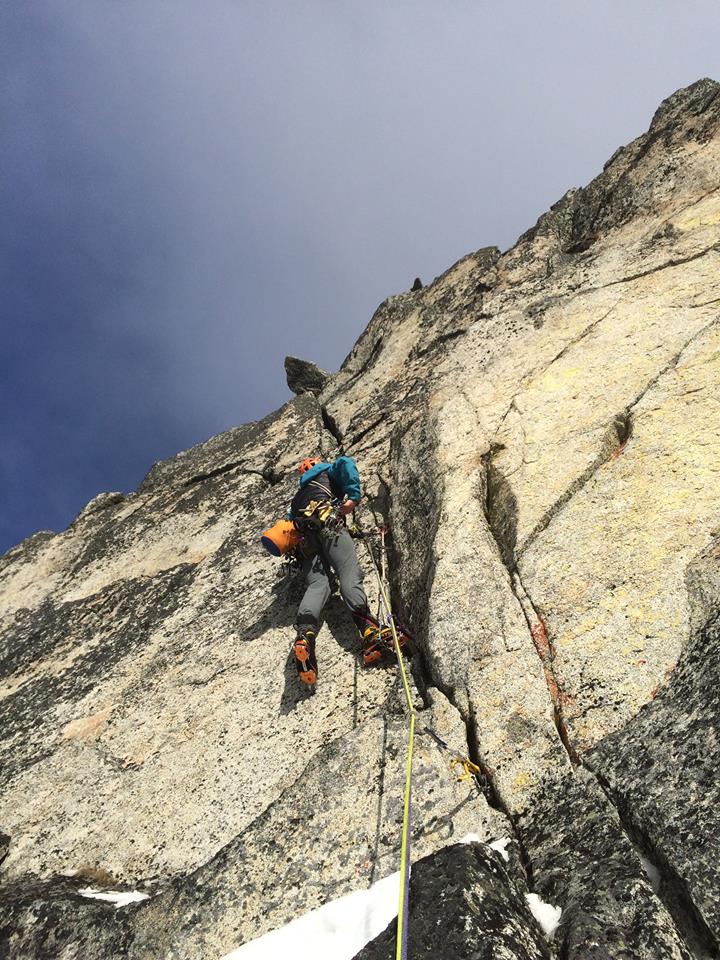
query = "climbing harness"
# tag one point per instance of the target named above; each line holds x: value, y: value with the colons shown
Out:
x: 321, y: 513
x: 317, y: 514
x: 403, y: 905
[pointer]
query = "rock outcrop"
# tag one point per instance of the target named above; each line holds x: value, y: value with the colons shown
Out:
x: 538, y: 429
x: 304, y: 376
x: 463, y: 904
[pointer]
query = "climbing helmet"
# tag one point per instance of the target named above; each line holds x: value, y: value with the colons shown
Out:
x: 307, y: 463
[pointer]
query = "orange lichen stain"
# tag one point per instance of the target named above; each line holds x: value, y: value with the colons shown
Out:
x: 540, y: 639
x: 87, y: 728
x: 552, y: 686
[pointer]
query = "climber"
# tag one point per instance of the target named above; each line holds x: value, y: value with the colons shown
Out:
x: 329, y: 492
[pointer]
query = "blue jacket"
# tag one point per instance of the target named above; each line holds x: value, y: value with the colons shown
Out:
x: 343, y: 473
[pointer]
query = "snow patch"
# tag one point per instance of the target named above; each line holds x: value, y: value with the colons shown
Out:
x: 121, y: 898
x: 501, y: 847
x: 470, y: 838
x: 546, y: 915
x: 335, y: 931
x: 652, y: 872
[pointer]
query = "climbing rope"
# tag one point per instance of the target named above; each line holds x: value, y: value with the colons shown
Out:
x: 403, y: 905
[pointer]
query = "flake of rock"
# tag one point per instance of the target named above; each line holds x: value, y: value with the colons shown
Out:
x: 304, y: 376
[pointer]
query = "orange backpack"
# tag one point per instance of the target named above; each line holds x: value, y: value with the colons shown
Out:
x: 281, y: 539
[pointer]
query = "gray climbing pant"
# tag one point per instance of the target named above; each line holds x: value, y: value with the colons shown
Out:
x: 335, y: 550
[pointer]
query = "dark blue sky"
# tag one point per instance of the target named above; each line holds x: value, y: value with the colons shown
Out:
x: 192, y: 190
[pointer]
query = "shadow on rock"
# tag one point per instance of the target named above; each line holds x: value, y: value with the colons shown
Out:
x: 286, y: 595
x: 295, y: 691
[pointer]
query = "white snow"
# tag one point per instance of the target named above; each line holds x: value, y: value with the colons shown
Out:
x: 546, y: 915
x: 501, y: 847
x: 470, y: 838
x: 335, y: 931
x: 652, y: 871
x: 121, y: 898
x: 498, y: 845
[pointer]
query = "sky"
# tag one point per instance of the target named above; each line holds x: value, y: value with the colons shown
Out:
x: 190, y: 191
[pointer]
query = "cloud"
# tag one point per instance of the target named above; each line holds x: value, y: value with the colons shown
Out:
x: 193, y: 191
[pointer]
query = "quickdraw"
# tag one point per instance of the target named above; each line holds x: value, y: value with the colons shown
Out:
x: 469, y: 770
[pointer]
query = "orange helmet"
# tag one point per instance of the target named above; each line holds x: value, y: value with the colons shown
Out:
x: 307, y: 463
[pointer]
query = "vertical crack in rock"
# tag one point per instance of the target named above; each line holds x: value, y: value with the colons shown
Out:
x: 381, y: 795
x: 491, y: 793
x: 475, y: 754
x: 546, y: 652
x: 331, y: 426
x: 673, y: 891
x: 4, y: 845
x: 424, y: 678
x: 500, y: 508
x: 623, y: 425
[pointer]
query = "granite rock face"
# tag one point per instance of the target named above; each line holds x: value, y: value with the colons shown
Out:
x: 583, y: 859
x: 539, y: 431
x: 660, y: 771
x: 51, y: 919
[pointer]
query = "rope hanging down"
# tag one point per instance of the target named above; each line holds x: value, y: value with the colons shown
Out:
x: 403, y: 905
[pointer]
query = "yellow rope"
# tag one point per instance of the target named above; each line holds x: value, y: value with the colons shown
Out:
x: 401, y: 951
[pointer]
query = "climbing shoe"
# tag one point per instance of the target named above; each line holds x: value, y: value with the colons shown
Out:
x: 304, y: 650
